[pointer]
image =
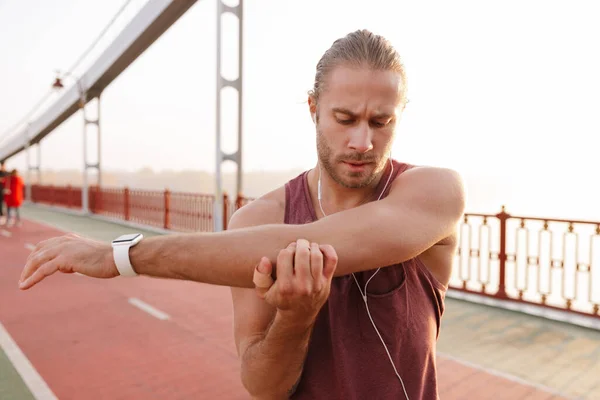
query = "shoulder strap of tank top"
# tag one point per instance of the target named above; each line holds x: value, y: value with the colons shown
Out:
x: 399, y: 168
x: 298, y: 206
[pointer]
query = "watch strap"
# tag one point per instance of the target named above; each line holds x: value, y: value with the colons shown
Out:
x: 121, y: 256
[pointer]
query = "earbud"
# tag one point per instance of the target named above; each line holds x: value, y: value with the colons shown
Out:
x: 313, y: 118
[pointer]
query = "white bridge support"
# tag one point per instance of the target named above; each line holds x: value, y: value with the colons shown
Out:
x: 31, y: 168
x: 87, y: 165
x: 236, y: 84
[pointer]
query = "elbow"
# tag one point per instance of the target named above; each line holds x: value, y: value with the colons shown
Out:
x: 457, y: 195
x: 445, y: 201
x: 448, y: 208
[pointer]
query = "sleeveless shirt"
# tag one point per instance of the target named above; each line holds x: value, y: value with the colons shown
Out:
x: 346, y: 359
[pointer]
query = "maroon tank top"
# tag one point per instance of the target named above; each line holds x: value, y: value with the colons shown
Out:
x: 346, y: 359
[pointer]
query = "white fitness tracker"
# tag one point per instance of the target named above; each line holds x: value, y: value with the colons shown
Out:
x: 121, y: 246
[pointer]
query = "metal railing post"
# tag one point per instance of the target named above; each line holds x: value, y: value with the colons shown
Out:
x: 502, y: 217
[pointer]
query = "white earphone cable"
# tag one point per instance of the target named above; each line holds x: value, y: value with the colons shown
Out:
x: 364, y: 294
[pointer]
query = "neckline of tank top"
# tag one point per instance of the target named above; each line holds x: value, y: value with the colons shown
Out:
x: 398, y: 168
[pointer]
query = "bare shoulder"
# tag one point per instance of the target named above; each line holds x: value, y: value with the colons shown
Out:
x: 425, y: 176
x: 440, y: 189
x: 267, y: 209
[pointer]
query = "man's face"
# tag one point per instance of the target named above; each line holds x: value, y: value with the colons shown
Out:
x: 356, y: 117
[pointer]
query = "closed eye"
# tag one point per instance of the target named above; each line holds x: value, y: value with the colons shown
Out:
x: 380, y: 124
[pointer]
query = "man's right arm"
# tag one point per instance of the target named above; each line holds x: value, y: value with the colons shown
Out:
x: 422, y: 209
x: 272, y: 348
x: 272, y: 364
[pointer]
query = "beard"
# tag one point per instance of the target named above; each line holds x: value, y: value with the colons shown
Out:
x: 350, y: 180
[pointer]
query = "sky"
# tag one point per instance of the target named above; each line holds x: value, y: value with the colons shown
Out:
x: 504, y: 92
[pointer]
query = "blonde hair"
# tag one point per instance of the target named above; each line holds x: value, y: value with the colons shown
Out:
x: 361, y: 48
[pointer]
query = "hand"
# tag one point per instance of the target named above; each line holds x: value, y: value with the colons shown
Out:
x: 304, y: 273
x: 68, y: 254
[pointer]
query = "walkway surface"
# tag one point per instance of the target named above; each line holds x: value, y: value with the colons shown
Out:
x: 78, y: 338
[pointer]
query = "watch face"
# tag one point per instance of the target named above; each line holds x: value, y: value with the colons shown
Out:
x: 126, y: 238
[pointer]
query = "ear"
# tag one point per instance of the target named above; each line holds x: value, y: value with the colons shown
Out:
x: 312, y: 107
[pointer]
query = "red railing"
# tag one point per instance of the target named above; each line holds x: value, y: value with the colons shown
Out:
x: 65, y: 196
x: 510, y: 258
x: 177, y: 211
x: 547, y: 262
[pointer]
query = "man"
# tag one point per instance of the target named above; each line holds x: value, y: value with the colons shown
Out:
x: 3, y: 175
x: 356, y: 318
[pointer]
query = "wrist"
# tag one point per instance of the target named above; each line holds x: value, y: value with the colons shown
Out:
x: 294, y: 324
x: 109, y: 262
x: 121, y: 253
x: 136, y: 254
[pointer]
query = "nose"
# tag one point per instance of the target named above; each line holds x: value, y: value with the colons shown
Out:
x: 361, y: 138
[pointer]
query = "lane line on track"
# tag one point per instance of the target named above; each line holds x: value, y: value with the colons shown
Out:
x: 148, y: 308
x: 5, y: 233
x: 30, y: 376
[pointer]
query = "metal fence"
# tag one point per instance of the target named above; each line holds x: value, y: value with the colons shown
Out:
x: 64, y: 196
x: 177, y: 211
x: 546, y: 262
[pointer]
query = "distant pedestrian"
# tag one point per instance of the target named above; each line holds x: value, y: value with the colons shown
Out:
x: 3, y: 178
x: 14, y: 197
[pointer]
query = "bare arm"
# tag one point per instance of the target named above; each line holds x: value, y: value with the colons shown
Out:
x: 271, y: 349
x: 272, y: 363
x: 272, y: 344
x: 422, y: 209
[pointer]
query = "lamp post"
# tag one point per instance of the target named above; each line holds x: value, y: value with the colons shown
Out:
x: 86, y: 165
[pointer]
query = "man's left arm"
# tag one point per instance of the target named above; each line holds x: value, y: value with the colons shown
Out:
x: 423, y: 208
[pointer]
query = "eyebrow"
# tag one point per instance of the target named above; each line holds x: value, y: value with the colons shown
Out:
x: 343, y: 111
x: 349, y: 113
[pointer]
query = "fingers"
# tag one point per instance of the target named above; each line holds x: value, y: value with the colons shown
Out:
x: 304, y: 270
x: 316, y: 266
x: 285, y: 268
x: 262, y: 276
x: 331, y: 260
x: 45, y: 270
x: 42, y: 255
x: 302, y: 267
x: 38, y: 257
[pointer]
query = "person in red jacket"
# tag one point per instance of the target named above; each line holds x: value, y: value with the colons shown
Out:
x: 3, y: 177
x: 14, y: 196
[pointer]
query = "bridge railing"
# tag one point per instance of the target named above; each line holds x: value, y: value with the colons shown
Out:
x: 177, y: 211
x: 64, y: 196
x: 552, y: 263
